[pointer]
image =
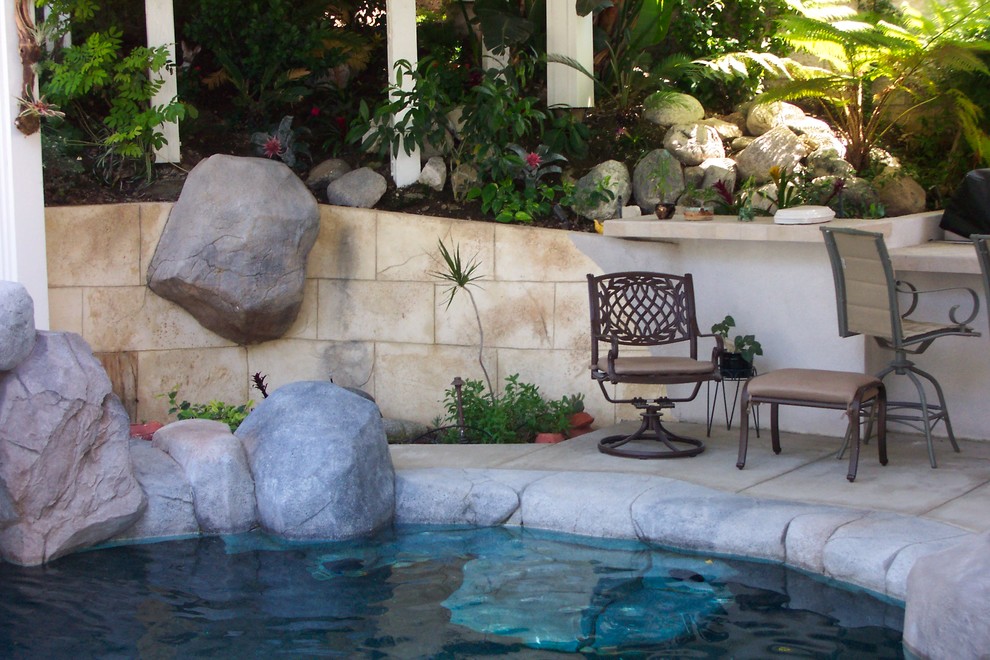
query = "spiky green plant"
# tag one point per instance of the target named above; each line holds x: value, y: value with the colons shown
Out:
x: 873, y: 72
x: 461, y: 275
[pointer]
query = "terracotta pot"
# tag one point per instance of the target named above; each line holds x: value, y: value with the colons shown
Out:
x: 145, y: 431
x: 549, y: 438
x: 580, y: 424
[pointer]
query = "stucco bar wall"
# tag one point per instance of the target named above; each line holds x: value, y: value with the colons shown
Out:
x: 373, y: 313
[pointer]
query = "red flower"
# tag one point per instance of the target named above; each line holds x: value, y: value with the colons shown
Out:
x: 273, y: 147
x: 315, y: 111
x: 533, y: 160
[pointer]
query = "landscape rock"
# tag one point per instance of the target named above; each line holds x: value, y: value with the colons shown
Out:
x: 778, y: 147
x: 899, y: 193
x: 326, y: 173
x: 320, y: 461
x: 462, y: 179
x: 434, y: 174
x: 816, y: 133
x: 171, y: 509
x: 233, y: 252
x: 657, y: 178
x: 947, y: 596
x: 64, y: 460
x: 692, y: 144
x: 215, y: 465
x: 361, y: 188
x: 856, y: 199
x: 828, y: 162
x: 718, y: 169
x: 764, y: 117
x: 17, y: 333
x: 669, y: 108
x: 619, y: 183
x: 727, y: 130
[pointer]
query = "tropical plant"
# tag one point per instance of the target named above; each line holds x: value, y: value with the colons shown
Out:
x: 461, y: 275
x: 875, y: 72
x: 219, y: 411
x: 282, y: 143
x: 746, y: 345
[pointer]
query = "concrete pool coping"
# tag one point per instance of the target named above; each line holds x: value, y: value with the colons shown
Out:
x: 794, y: 508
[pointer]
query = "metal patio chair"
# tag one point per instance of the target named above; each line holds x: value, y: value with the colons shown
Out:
x: 982, y: 243
x: 866, y: 295
x: 632, y: 312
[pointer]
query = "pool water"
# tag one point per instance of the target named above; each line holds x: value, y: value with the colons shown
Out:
x: 430, y: 593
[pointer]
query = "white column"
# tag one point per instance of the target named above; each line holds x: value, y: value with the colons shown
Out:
x: 22, y: 195
x: 401, y: 29
x: 569, y: 35
x: 160, y: 22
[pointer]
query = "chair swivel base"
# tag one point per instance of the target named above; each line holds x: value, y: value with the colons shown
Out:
x: 664, y: 442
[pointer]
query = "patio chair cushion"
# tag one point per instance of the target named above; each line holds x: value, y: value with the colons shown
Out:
x: 632, y: 366
x: 837, y: 388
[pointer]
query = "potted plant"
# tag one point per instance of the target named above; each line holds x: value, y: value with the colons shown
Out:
x: 700, y: 203
x: 736, y: 361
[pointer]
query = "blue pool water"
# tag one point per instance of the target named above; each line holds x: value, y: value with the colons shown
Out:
x: 430, y: 593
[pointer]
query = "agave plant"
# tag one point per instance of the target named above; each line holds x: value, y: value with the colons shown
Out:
x: 873, y: 72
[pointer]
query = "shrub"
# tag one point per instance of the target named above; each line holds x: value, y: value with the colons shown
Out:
x: 219, y: 411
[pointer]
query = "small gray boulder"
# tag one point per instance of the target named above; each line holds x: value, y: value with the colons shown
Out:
x: 16, y: 324
x: 361, y: 188
x: 669, y: 108
x: 321, y: 462
x: 612, y: 176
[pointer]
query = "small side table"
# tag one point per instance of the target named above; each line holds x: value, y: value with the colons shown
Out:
x: 737, y: 376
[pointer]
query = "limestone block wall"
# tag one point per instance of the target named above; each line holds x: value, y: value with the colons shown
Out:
x: 373, y: 315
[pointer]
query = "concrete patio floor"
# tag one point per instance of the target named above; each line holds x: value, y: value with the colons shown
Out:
x: 956, y: 493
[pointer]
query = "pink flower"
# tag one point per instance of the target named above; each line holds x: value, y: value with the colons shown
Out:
x: 533, y: 160
x: 273, y: 147
x: 315, y: 111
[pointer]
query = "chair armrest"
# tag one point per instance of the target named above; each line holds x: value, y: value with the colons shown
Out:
x: 906, y: 287
x: 719, y: 347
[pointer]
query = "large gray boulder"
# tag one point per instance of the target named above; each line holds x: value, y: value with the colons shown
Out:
x: 361, y: 188
x: 610, y: 175
x: 64, y: 461
x: 657, y: 177
x: 171, y: 509
x: 216, y: 468
x: 692, y: 144
x: 233, y: 252
x: 947, y: 596
x: 778, y: 147
x: 16, y: 324
x: 669, y: 108
x: 321, y: 463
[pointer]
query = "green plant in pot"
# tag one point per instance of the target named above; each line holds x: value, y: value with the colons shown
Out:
x: 737, y: 357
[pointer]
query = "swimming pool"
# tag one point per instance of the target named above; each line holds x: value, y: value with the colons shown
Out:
x: 430, y: 593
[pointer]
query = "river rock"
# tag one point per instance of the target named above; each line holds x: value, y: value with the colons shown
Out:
x: 763, y: 117
x: 692, y: 144
x: 618, y: 182
x: 64, y: 460
x: 361, y: 188
x: 669, y: 108
x: 216, y: 467
x: 899, y: 193
x: 233, y: 252
x: 657, y: 178
x: 320, y: 461
x: 778, y: 147
x: 16, y: 324
x: 325, y: 173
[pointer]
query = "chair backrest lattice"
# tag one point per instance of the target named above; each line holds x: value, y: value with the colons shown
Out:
x: 642, y: 308
x: 865, y: 286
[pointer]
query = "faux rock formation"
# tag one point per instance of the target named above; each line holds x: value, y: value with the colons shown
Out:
x: 233, y: 252
x: 361, y: 188
x: 16, y: 324
x: 216, y: 467
x: 947, y: 596
x: 171, y: 509
x: 320, y: 461
x: 778, y: 147
x: 618, y: 183
x: 64, y: 461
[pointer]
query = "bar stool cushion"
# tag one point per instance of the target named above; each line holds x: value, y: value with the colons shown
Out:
x: 812, y: 386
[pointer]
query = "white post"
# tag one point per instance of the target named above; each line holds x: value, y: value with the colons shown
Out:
x: 569, y: 35
x: 160, y: 22
x: 22, y: 193
x: 401, y: 35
